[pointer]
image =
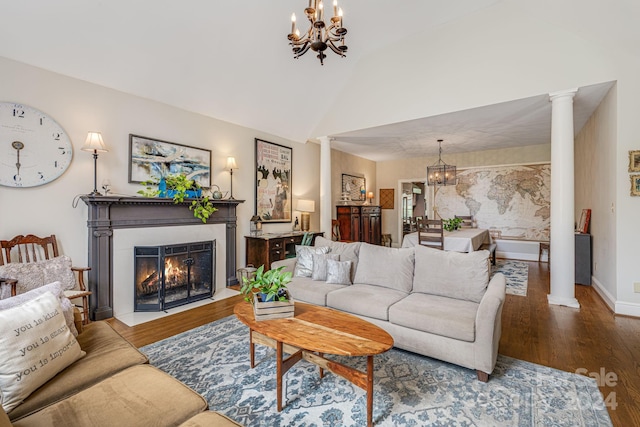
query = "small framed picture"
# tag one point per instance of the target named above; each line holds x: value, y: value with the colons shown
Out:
x: 634, y: 161
x: 635, y: 185
x: 583, y: 225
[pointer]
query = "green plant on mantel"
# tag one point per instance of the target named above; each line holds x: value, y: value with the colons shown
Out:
x: 272, y: 283
x: 179, y: 187
x: 451, y: 224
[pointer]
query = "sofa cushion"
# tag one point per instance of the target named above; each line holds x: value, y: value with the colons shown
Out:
x: 140, y: 395
x: 451, y: 274
x: 107, y: 353
x: 304, y: 264
x: 57, y: 290
x: 384, y: 266
x: 319, y: 271
x: 35, y: 274
x: 307, y: 290
x: 210, y: 419
x: 347, y: 251
x: 448, y: 317
x: 35, y: 344
x: 365, y: 300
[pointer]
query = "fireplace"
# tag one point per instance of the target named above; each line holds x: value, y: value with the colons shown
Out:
x: 172, y: 275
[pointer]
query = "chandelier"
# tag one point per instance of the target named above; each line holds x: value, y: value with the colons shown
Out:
x: 441, y: 173
x: 319, y: 36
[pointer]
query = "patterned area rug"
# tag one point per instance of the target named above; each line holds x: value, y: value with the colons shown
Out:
x: 408, y: 389
x: 516, y: 273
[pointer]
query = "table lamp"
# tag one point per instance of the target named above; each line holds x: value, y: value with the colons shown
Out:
x: 305, y: 206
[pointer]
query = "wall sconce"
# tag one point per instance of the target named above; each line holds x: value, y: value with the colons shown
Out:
x: 95, y: 144
x: 256, y: 226
x: 305, y: 206
x: 231, y: 165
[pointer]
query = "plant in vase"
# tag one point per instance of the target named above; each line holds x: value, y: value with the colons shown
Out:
x: 179, y: 187
x: 271, y: 284
x: 451, y: 224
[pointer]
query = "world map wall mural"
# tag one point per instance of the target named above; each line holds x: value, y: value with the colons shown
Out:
x: 512, y: 200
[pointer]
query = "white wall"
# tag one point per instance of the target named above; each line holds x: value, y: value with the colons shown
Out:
x: 342, y: 162
x: 595, y: 189
x: 80, y: 107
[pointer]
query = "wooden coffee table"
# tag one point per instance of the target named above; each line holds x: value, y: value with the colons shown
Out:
x: 313, y: 332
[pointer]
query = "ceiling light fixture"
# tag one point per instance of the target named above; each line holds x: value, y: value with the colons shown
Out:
x: 441, y: 173
x: 319, y: 36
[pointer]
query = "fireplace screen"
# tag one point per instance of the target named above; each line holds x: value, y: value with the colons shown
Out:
x: 173, y: 275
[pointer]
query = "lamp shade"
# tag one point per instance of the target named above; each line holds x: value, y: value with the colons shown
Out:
x: 94, y: 143
x: 306, y: 206
x: 231, y: 163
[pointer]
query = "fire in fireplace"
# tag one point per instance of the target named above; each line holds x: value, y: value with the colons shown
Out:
x: 173, y: 275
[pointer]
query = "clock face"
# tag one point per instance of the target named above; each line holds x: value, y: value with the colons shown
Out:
x: 34, y: 149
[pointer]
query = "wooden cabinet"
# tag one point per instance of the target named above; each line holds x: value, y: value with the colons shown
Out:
x: 265, y: 249
x: 360, y: 223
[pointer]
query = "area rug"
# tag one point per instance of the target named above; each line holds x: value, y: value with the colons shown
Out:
x: 409, y: 389
x: 516, y: 273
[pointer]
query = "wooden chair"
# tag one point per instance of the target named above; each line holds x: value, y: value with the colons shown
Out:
x: 467, y: 220
x: 431, y: 233
x: 335, y: 230
x: 32, y: 248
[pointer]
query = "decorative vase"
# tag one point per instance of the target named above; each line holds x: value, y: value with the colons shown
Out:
x: 264, y: 297
x: 162, y: 187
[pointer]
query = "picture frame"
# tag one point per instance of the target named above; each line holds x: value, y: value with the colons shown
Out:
x: 635, y: 185
x: 585, y: 218
x: 387, y: 198
x: 273, y: 181
x: 634, y: 161
x: 355, y: 186
x: 151, y: 159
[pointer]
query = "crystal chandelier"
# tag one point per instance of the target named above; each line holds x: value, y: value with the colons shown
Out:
x: 441, y: 173
x: 319, y: 36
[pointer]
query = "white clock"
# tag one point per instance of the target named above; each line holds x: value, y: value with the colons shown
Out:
x: 34, y: 149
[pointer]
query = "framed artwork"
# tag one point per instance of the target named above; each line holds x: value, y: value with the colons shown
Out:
x: 273, y: 181
x: 583, y: 225
x: 387, y: 198
x: 634, y: 161
x: 635, y: 185
x: 355, y: 186
x: 151, y: 159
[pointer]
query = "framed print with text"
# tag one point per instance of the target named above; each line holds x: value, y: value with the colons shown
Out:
x: 273, y: 181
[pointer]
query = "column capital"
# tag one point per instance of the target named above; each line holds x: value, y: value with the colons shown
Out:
x: 570, y: 93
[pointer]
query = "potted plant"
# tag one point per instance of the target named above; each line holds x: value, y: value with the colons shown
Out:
x: 179, y: 187
x: 272, y: 285
x: 451, y: 224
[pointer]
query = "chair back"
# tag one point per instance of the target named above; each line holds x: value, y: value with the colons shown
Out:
x: 335, y: 230
x: 431, y: 233
x: 28, y: 248
x: 467, y: 220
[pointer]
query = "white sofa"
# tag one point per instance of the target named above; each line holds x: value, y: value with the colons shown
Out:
x: 436, y: 303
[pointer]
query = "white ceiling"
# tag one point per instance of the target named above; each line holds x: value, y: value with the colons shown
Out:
x: 230, y: 60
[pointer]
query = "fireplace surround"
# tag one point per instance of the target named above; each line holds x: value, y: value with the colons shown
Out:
x: 107, y: 213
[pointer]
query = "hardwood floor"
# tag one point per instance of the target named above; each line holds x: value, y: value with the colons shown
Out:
x: 591, y: 339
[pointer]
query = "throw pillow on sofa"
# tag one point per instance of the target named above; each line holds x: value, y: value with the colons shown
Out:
x: 347, y: 251
x: 304, y: 262
x: 387, y: 267
x: 339, y: 272
x: 32, y: 275
x: 57, y: 290
x: 35, y: 344
x: 320, y: 265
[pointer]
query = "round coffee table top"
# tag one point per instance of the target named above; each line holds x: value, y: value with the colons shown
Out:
x: 320, y: 329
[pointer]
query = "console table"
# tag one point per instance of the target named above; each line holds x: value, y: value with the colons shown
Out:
x: 270, y: 247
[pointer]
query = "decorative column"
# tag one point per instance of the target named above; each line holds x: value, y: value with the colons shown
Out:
x: 562, y: 262
x: 325, y: 186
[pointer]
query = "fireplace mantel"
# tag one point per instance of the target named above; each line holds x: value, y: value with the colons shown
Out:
x: 107, y: 213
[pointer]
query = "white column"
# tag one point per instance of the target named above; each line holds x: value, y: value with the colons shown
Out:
x: 562, y: 262
x: 325, y: 186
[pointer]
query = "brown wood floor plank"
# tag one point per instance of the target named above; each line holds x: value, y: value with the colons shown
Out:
x: 591, y: 338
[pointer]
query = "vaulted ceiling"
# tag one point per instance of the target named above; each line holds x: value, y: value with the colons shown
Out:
x: 230, y: 60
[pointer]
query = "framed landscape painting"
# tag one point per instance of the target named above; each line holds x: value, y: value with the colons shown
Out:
x: 273, y: 181
x: 634, y: 161
x: 152, y: 159
x: 635, y: 185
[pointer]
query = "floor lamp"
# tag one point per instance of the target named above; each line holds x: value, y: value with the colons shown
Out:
x: 94, y: 144
x: 231, y: 165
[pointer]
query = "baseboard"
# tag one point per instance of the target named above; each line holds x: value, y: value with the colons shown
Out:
x: 517, y: 256
x: 519, y: 249
x: 604, y: 294
x: 627, y: 309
